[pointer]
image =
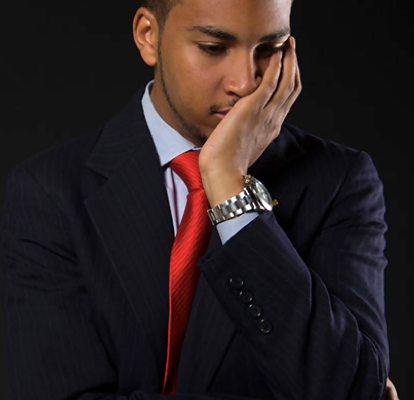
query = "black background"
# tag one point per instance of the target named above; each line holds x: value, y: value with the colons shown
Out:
x: 67, y: 67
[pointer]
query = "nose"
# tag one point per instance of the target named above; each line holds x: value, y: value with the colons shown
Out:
x: 241, y: 76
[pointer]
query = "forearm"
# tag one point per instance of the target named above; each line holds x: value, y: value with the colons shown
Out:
x: 315, y: 337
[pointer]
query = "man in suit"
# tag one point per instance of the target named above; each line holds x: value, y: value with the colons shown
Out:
x: 288, y: 295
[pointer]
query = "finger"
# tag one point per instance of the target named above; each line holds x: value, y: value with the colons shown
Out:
x: 296, y: 91
x: 280, y: 112
x: 391, y: 391
x: 287, y: 81
x: 270, y: 81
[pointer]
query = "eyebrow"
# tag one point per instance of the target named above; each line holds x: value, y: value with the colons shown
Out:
x: 220, y: 34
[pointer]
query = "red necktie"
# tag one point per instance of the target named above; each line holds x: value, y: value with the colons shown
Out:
x: 190, y: 243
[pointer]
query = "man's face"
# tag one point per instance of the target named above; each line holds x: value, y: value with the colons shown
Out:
x: 199, y: 74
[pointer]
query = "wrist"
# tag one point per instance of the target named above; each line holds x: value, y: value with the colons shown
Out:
x: 221, y: 187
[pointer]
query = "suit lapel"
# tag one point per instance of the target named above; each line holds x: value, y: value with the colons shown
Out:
x: 131, y: 214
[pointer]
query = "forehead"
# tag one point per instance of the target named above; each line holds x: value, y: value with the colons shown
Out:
x: 247, y: 18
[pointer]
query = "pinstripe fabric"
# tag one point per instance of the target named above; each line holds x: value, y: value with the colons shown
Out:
x: 86, y: 234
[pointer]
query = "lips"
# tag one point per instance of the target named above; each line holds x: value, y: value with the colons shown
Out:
x: 223, y: 111
x: 220, y: 115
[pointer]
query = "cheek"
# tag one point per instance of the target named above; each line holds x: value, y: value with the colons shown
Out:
x: 200, y: 76
x: 194, y: 82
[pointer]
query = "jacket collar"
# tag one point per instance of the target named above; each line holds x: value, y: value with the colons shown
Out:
x: 130, y: 211
x: 124, y: 133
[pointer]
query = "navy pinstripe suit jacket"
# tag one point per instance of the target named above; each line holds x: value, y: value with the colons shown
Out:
x: 86, y: 234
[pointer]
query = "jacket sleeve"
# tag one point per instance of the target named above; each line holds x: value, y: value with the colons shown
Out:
x: 322, y: 334
x: 53, y: 351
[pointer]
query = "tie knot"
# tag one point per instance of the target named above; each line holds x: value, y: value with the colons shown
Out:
x: 186, y: 167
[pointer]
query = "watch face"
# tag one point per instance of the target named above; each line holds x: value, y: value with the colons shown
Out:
x: 262, y: 194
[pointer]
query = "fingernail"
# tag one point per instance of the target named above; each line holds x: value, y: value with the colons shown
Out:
x: 293, y: 42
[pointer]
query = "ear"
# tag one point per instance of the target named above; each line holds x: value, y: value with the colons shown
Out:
x: 145, y: 31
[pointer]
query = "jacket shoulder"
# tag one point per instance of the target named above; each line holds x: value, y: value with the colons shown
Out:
x: 58, y: 169
x: 327, y: 164
x: 316, y: 146
x: 71, y: 153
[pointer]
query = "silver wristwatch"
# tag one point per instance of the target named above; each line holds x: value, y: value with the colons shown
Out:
x: 254, y: 197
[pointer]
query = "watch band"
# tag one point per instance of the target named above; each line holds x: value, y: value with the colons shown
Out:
x: 235, y: 206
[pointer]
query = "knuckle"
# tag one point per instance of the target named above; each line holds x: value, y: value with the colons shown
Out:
x: 272, y: 84
x: 256, y: 112
x: 279, y: 120
x: 291, y: 85
x: 268, y: 122
x: 273, y: 81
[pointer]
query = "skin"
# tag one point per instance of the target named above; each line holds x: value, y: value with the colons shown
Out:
x: 189, y: 85
x: 391, y: 391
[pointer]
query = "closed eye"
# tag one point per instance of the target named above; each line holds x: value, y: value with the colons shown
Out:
x: 211, y: 50
x: 216, y: 50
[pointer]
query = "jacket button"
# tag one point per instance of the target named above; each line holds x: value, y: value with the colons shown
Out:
x: 264, y: 326
x: 236, y: 283
x: 246, y: 297
x: 255, y: 310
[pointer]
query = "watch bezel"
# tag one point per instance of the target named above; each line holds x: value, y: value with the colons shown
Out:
x: 253, y: 184
x: 252, y: 198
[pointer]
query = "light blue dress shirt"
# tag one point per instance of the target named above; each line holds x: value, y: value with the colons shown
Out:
x: 169, y: 144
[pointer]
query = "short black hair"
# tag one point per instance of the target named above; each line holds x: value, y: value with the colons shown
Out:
x: 161, y: 9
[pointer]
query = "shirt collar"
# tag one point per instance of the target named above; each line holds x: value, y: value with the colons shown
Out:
x: 168, y: 142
